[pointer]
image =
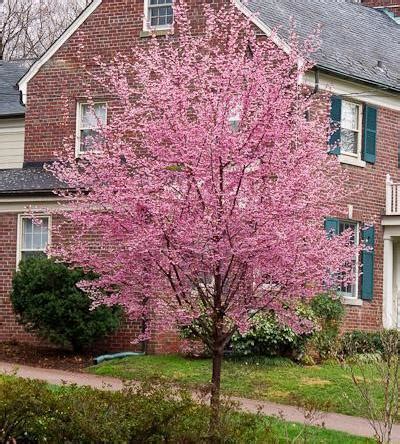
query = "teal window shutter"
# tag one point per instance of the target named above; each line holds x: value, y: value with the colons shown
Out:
x: 369, y: 134
x: 331, y: 227
x: 336, y: 117
x: 367, y: 281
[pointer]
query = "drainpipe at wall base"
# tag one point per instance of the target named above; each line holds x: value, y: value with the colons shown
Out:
x: 104, y: 358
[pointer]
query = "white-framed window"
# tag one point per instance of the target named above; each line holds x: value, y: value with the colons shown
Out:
x: 32, y: 237
x: 351, y: 129
x: 89, y: 116
x: 350, y: 291
x: 158, y: 14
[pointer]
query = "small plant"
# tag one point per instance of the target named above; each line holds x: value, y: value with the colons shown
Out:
x: 384, y: 366
x: 267, y: 337
x: 48, y: 302
x: 361, y: 342
x: 329, y: 313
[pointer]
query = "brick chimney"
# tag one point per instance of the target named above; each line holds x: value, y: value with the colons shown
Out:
x: 391, y: 5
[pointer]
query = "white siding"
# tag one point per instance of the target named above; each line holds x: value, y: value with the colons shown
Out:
x: 12, y: 135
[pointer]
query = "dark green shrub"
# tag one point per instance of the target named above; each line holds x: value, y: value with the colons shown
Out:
x: 48, y: 302
x: 24, y: 407
x: 267, y: 337
x: 329, y: 313
x: 328, y: 310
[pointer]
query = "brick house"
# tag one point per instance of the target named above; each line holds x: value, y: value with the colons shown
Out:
x: 357, y: 62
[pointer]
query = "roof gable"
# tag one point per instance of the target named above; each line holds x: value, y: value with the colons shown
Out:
x: 23, y: 83
x: 353, y: 37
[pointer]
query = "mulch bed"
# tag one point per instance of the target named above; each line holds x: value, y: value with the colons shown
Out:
x: 46, y: 357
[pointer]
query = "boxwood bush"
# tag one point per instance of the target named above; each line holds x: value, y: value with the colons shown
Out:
x: 268, y: 337
x: 48, y: 302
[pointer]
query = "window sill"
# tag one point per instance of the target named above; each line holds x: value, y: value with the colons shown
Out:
x: 156, y: 33
x: 349, y: 160
x: 351, y: 301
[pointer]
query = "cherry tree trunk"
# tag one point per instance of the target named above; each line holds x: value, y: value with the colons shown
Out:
x: 215, y: 401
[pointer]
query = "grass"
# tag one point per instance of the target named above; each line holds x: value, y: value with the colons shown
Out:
x: 284, y: 432
x: 328, y: 386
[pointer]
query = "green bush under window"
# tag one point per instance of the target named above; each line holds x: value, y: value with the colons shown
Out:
x: 48, y: 302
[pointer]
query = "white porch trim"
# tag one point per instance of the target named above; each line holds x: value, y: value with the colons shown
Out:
x: 388, y: 313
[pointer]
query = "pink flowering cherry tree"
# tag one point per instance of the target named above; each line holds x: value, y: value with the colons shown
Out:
x: 205, y: 195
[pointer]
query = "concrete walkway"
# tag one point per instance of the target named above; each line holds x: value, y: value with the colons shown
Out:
x: 350, y: 424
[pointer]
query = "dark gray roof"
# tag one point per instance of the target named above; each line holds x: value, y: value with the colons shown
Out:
x: 353, y: 37
x: 10, y: 73
x: 27, y: 180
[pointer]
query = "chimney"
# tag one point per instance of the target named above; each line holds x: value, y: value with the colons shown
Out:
x: 391, y: 6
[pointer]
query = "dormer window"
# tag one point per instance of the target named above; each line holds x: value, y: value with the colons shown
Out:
x: 158, y: 14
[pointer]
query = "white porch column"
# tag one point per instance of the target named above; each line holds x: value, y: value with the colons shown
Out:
x: 389, y: 317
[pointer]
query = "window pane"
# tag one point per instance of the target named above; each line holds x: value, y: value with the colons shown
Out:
x: 28, y: 254
x: 92, y: 115
x: 37, y: 242
x: 28, y: 226
x: 35, y: 236
x: 349, y: 141
x: 349, y: 289
x: 87, y: 139
x: 350, y: 116
x: 27, y: 241
x: 160, y: 12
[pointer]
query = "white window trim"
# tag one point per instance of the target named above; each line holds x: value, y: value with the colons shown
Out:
x: 355, y: 158
x: 351, y: 301
x: 21, y: 218
x: 350, y: 160
x: 146, y: 20
x: 78, y: 128
x: 347, y: 298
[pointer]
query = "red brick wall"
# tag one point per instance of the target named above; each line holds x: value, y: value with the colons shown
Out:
x: 370, y: 205
x: 113, y: 28
x: 393, y: 5
x: 10, y: 330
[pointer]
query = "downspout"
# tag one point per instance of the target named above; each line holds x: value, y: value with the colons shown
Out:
x: 316, y: 81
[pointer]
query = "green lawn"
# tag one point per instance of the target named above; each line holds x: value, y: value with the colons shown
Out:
x: 327, y: 387
x: 285, y: 432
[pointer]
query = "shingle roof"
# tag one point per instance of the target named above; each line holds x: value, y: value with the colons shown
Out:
x: 353, y: 37
x: 27, y: 180
x: 10, y: 73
